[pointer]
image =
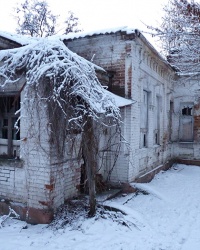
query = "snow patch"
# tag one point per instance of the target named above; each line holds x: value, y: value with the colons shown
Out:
x: 155, y: 224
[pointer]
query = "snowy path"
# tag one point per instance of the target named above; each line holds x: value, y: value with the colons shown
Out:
x: 168, y: 218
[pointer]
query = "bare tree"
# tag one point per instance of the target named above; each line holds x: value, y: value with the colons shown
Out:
x: 180, y: 34
x: 72, y: 23
x: 35, y: 19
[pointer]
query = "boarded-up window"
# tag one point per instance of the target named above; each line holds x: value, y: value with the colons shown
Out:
x: 186, y: 122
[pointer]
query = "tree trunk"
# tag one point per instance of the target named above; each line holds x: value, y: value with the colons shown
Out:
x: 89, y: 148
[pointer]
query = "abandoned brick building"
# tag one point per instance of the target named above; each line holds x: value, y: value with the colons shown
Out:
x: 160, y: 111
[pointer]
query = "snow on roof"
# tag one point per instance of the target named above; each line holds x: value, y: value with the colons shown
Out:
x: 117, y: 100
x: 23, y: 40
x: 120, y: 101
x: 52, y: 59
x: 26, y: 40
x: 188, y: 73
x: 72, y: 35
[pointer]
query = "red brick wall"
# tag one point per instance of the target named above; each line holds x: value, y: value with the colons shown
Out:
x: 197, y: 122
x: 110, y: 53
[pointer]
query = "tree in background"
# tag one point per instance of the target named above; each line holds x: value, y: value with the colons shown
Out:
x: 72, y: 23
x: 35, y: 19
x: 180, y: 34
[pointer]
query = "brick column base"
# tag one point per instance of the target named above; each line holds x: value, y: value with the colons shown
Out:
x: 34, y: 215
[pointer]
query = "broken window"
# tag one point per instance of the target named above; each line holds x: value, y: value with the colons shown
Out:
x: 187, y: 111
x: 186, y: 122
x: 9, y: 125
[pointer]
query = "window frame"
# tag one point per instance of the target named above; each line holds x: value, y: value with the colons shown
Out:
x: 9, y: 105
x: 186, y: 127
x: 144, y: 119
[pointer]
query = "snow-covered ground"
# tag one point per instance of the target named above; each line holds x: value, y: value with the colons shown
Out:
x: 165, y: 216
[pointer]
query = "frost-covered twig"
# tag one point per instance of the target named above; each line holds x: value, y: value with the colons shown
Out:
x: 67, y: 76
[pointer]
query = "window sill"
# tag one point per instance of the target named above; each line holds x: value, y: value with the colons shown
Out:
x: 4, y: 142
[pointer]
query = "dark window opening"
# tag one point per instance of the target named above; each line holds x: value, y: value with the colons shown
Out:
x: 9, y: 123
x: 110, y: 75
x: 9, y: 104
x: 144, y: 140
x: 5, y: 122
x: 187, y: 111
x: 4, y: 133
x: 156, y: 138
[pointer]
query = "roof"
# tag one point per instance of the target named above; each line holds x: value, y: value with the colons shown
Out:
x: 20, y: 39
x: 120, y: 101
x: 126, y: 29
x: 72, y: 35
x: 24, y: 40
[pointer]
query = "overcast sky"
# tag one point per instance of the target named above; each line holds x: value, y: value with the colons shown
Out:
x: 95, y: 14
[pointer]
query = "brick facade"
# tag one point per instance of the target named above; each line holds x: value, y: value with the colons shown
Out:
x: 162, y: 103
x: 135, y: 67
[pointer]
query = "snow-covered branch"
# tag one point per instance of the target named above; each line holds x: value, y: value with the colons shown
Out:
x: 180, y: 34
x: 11, y: 214
x: 51, y: 63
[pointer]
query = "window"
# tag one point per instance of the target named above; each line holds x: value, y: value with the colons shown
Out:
x: 170, y: 119
x: 187, y: 110
x: 9, y: 125
x: 157, y: 120
x: 144, y: 119
x: 186, y: 122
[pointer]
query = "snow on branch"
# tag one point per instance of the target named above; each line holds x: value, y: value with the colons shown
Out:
x: 11, y: 214
x: 180, y: 35
x: 66, y: 72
